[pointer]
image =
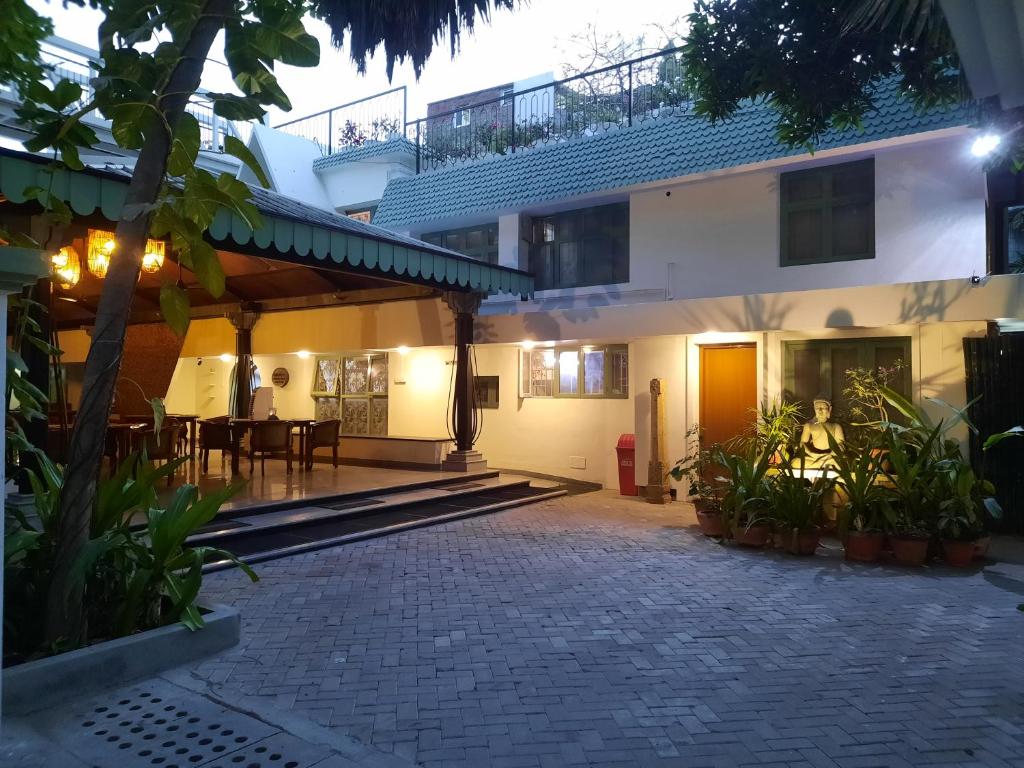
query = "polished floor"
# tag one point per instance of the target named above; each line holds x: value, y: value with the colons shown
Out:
x: 277, y: 485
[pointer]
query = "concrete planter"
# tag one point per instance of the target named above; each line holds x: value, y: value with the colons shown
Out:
x: 40, y: 684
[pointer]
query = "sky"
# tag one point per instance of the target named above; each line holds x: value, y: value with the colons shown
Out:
x: 515, y: 45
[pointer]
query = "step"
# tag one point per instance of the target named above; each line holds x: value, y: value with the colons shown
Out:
x: 254, y: 546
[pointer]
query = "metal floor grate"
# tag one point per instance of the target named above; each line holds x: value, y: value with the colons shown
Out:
x: 139, y: 728
x: 340, y: 505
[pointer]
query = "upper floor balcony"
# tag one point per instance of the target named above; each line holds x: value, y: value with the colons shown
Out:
x: 516, y: 120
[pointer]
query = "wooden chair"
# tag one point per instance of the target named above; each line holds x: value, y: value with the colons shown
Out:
x: 215, y: 435
x: 166, y: 449
x: 323, y: 434
x: 270, y: 437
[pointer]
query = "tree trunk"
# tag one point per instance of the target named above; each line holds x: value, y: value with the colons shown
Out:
x: 64, y: 609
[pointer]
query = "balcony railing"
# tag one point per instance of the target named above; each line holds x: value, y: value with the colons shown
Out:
x: 77, y: 63
x: 373, y: 118
x: 583, y: 105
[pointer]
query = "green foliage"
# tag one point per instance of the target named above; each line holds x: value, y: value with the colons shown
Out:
x: 863, y: 497
x: 745, y: 501
x: 796, y: 502
x: 134, y: 578
x: 696, y: 467
x: 816, y: 63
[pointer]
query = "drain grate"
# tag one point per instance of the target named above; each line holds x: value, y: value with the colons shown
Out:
x: 277, y: 751
x: 462, y: 487
x: 352, y: 504
x: 140, y: 728
x: 220, y: 525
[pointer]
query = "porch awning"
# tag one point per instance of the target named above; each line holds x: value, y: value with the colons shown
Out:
x: 292, y: 231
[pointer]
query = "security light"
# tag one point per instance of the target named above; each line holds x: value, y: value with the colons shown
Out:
x: 985, y: 144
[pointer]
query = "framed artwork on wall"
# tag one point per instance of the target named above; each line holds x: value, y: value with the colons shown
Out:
x: 326, y: 377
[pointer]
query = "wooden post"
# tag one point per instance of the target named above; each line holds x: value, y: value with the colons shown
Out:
x: 657, y: 469
x: 244, y: 321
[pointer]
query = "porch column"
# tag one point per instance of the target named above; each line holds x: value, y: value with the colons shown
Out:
x: 463, y: 459
x: 244, y: 321
x: 18, y: 267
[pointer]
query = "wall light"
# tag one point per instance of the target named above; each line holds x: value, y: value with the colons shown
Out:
x: 67, y: 267
x: 528, y: 344
x: 226, y: 358
x: 403, y: 350
x: 985, y: 144
x: 303, y: 354
x: 101, y: 248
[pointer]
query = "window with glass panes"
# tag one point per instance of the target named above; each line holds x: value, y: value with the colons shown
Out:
x: 818, y: 367
x: 828, y: 214
x: 476, y: 242
x: 588, y: 371
x: 589, y: 246
x: 364, y: 394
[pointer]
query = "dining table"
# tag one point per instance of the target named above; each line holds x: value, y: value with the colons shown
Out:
x: 191, y: 420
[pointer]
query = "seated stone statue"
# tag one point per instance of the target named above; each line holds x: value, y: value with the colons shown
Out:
x: 814, y: 438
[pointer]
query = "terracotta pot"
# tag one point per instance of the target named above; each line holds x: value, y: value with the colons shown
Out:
x: 981, y: 547
x: 863, y: 547
x: 754, y: 536
x: 958, y: 554
x: 711, y: 523
x: 806, y: 543
x: 909, y: 550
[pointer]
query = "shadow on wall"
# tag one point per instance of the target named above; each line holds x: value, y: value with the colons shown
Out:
x: 760, y: 313
x: 929, y: 302
x: 543, y: 324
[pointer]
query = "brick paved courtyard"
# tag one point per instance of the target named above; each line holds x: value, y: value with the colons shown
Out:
x: 598, y: 630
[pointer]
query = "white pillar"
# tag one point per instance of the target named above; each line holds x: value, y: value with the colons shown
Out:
x: 18, y: 267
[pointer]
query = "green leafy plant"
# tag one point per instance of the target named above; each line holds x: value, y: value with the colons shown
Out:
x: 745, y: 501
x: 695, y: 468
x: 862, y: 497
x: 796, y: 502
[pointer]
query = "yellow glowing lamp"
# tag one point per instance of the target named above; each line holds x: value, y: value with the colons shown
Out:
x: 153, y: 258
x: 101, y: 248
x: 66, y: 267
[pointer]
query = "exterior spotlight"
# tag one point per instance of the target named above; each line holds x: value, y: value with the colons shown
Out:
x: 985, y: 144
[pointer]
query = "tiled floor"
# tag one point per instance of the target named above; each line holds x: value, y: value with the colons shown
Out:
x: 599, y: 630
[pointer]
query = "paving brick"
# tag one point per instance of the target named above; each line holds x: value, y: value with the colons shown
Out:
x: 603, y: 631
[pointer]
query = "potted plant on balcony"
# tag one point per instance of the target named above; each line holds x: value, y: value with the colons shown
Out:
x: 694, y: 468
x: 796, y: 506
x: 745, y: 502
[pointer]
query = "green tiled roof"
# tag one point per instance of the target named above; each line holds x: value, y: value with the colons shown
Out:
x: 291, y: 231
x: 397, y: 145
x: 655, y: 150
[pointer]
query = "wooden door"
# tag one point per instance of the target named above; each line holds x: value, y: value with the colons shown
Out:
x: 728, y: 390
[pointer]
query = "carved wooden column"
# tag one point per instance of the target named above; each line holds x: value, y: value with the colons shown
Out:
x: 657, y: 469
x: 244, y: 321
x: 463, y: 459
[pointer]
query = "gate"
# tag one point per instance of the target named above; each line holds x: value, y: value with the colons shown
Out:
x: 995, y: 371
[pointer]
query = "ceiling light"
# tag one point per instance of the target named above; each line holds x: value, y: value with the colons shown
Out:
x: 985, y: 144
x: 153, y: 258
x: 101, y: 248
x: 302, y: 354
x: 528, y: 344
x: 226, y: 358
x: 403, y: 350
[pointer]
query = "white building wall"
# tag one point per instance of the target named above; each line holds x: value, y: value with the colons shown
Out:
x: 360, y: 183
x: 724, y: 233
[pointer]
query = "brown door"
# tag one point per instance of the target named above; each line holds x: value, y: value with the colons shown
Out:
x: 728, y: 390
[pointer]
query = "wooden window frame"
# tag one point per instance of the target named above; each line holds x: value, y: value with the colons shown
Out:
x: 440, y: 238
x: 609, y: 350
x: 581, y: 241
x: 368, y: 395
x: 826, y: 203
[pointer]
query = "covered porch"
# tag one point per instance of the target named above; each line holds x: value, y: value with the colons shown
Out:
x: 310, y: 269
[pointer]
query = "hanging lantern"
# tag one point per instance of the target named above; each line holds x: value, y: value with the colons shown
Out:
x: 66, y: 267
x: 101, y: 248
x: 153, y: 258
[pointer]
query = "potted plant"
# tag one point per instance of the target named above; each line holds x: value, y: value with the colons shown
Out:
x: 861, y: 503
x: 695, y: 468
x: 909, y: 537
x: 959, y: 523
x: 745, y: 508
x: 796, y: 507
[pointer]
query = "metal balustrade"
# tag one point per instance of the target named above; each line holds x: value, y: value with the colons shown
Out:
x: 373, y: 118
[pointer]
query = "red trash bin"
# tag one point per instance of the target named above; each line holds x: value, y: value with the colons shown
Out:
x: 626, y: 448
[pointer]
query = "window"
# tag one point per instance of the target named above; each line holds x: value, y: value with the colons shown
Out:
x: 575, y: 372
x: 1014, y: 227
x: 819, y: 366
x: 461, y: 118
x: 486, y: 391
x: 364, y: 216
x: 479, y: 242
x: 364, y: 394
x: 828, y: 214
x: 584, y: 247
